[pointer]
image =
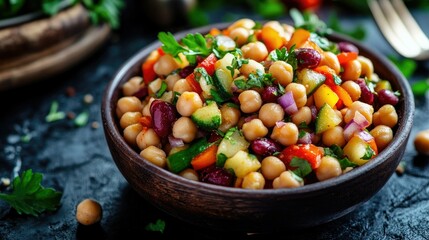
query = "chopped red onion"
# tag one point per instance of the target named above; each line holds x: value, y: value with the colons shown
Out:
x: 175, y: 142
x: 280, y: 124
x: 366, y: 136
x: 357, y: 124
x: 250, y: 118
x: 288, y: 103
x: 306, y: 139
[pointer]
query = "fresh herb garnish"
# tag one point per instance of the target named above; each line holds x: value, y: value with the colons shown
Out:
x: 161, y: 90
x: 54, y: 114
x: 29, y: 196
x: 81, y: 119
x: 302, y: 166
x: 369, y: 153
x: 336, y: 152
x: 255, y: 80
x: 309, y: 21
x: 158, y: 226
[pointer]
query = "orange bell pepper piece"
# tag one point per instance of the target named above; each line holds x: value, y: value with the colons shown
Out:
x: 205, y: 158
x: 343, y: 95
x: 271, y: 38
x: 298, y: 38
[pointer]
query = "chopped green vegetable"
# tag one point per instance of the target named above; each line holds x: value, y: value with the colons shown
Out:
x: 179, y: 161
x: 29, y: 196
x: 161, y: 90
x: 158, y: 226
x: 258, y: 80
x: 81, y: 119
x: 53, y: 114
x: 303, y: 167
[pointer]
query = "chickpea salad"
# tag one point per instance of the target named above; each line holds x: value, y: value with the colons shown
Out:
x: 257, y: 106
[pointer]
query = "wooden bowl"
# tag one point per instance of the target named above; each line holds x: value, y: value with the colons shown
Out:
x: 235, y: 209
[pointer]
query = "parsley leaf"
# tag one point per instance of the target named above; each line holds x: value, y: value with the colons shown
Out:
x: 309, y: 21
x: 54, y: 114
x: 29, y: 197
x: 303, y: 167
x: 169, y: 44
x: 158, y: 226
x: 81, y: 119
x: 369, y: 153
x: 255, y: 80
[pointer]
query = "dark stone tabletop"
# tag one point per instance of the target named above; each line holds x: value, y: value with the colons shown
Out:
x: 76, y: 160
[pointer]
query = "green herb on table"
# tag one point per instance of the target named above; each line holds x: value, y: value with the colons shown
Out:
x: 99, y: 11
x: 420, y: 87
x: 54, y: 114
x: 81, y: 119
x: 29, y: 196
x: 158, y: 226
x: 405, y: 65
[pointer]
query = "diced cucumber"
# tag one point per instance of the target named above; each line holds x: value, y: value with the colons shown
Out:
x: 181, y: 160
x: 233, y: 142
x: 208, y: 117
x: 310, y: 79
x: 326, y: 119
x: 223, y: 82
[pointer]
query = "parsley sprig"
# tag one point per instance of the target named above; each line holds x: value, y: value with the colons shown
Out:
x: 29, y: 196
x: 193, y: 45
x: 255, y: 80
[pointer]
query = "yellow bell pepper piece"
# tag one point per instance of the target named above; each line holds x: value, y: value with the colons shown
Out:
x: 324, y: 94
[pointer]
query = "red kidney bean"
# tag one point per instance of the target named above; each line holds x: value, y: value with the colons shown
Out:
x: 265, y: 147
x: 366, y: 95
x: 386, y: 96
x: 270, y: 94
x: 307, y: 57
x: 347, y: 47
x: 163, y: 116
x: 216, y: 175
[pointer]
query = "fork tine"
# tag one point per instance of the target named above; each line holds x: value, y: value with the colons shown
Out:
x: 411, y: 24
x: 398, y: 37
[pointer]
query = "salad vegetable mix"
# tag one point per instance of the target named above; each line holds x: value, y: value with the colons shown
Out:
x: 258, y: 106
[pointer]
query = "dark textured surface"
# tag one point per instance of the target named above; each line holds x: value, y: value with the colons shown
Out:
x: 76, y: 160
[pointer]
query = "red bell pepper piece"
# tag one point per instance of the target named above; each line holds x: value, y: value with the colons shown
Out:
x: 147, y: 67
x: 308, y: 152
x: 209, y: 65
x: 346, y: 57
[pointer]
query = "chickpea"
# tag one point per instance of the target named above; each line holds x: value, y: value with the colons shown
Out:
x: 240, y: 35
x: 253, y: 180
x: 146, y: 138
x: 254, y: 129
x: 383, y: 135
x: 331, y: 60
x: 352, y: 70
x: 287, y: 179
x: 131, y: 132
x: 255, y: 50
x: 251, y: 67
x: 250, y: 101
x: 165, y: 65
x: 171, y: 81
x: 272, y: 167
x: 365, y: 109
x: 329, y: 168
x: 353, y: 89
x: 188, y: 103
x: 367, y: 68
x: 185, y: 129
x: 190, y: 174
x: 333, y: 136
x: 128, y: 104
x: 299, y: 93
x: 230, y: 116
x: 303, y: 115
x: 146, y: 108
x: 270, y: 113
x: 386, y: 115
x: 129, y: 118
x: 287, y: 134
x: 182, y: 86
x: 244, y: 23
x: 421, y: 142
x: 132, y: 86
x: 88, y: 212
x: 154, y: 155
x: 282, y: 72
